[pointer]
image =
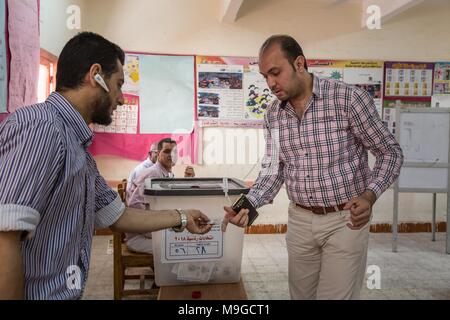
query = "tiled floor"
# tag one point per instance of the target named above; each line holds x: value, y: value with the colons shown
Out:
x: 419, y: 270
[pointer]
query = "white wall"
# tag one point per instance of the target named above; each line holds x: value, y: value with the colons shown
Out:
x: 324, y: 30
x: 53, y: 23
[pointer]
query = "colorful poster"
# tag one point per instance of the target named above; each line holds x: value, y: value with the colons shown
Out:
x: 257, y: 95
x: 3, y: 60
x: 407, y: 85
x: 23, y: 24
x: 125, y: 117
x: 131, y: 72
x: 441, y: 89
x: 364, y: 74
x: 367, y: 75
x: 333, y: 69
x: 441, y: 78
x: 408, y: 79
x: 220, y: 92
x: 231, y: 92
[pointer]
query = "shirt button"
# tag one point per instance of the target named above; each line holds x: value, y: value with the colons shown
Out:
x: 307, y: 176
x: 306, y: 154
x: 311, y: 198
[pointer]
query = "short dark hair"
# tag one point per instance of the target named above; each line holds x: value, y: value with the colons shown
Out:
x: 80, y: 53
x: 290, y: 47
x: 165, y: 140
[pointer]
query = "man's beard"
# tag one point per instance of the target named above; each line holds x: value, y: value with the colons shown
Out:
x: 101, y: 110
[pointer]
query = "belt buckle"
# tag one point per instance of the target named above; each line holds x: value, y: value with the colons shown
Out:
x: 319, y: 210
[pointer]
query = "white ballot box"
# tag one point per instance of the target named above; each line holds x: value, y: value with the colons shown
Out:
x: 186, y: 258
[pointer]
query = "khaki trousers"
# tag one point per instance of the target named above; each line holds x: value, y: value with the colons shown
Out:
x: 327, y: 260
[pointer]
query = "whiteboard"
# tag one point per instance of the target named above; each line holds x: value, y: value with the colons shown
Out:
x: 167, y: 96
x: 424, y: 136
x: 423, y: 178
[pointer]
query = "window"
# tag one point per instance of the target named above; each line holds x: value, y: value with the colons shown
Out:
x: 47, y: 75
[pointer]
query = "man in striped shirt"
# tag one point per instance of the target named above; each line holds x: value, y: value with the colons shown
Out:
x: 52, y: 196
x: 318, y: 134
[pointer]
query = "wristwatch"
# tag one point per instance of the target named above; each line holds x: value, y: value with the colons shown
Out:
x: 184, y: 221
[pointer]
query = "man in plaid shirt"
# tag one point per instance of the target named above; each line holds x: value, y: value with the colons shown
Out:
x: 318, y: 134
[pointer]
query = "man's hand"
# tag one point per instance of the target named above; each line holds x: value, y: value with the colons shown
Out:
x: 239, y: 219
x: 360, y: 209
x: 197, y: 222
x: 189, y: 172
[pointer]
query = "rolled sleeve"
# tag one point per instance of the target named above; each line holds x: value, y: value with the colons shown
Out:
x: 18, y: 218
x: 108, y: 205
x: 375, y: 136
x: 31, y: 156
x: 108, y: 215
x: 270, y: 178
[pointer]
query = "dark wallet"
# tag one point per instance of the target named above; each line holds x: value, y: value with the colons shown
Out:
x: 243, y: 203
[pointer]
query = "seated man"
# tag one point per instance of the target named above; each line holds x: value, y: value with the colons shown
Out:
x: 152, y: 156
x: 161, y: 169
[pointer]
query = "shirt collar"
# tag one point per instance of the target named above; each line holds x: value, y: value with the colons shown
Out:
x: 72, y: 118
x: 164, y: 170
x: 317, y: 92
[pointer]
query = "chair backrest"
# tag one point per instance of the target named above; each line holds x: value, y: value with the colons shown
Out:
x: 124, y: 259
x: 122, y: 190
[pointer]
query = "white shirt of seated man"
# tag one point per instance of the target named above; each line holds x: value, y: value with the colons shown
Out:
x: 162, y: 169
x: 147, y: 163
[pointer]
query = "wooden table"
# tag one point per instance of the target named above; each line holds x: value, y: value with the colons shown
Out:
x: 225, y: 291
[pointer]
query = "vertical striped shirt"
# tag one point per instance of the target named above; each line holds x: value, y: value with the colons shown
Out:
x: 51, y: 188
x: 323, y: 157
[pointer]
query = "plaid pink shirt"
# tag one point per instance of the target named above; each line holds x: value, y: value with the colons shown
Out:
x: 323, y: 158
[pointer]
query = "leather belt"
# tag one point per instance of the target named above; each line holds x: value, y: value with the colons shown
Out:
x: 323, y: 210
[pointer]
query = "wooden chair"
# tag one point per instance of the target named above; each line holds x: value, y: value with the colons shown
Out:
x: 127, y: 260
x: 122, y: 190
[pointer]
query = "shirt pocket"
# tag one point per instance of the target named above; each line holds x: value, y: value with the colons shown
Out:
x: 330, y: 135
x: 333, y: 123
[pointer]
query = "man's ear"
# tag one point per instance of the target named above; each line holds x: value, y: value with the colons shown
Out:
x: 299, y: 63
x: 93, y: 70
